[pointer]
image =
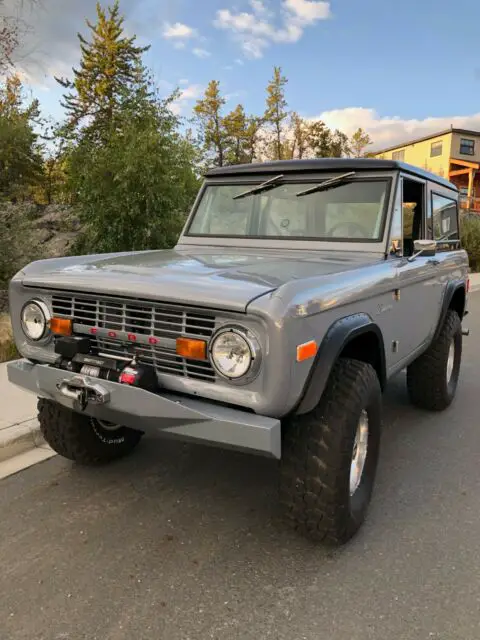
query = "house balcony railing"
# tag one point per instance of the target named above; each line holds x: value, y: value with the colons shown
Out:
x: 470, y: 204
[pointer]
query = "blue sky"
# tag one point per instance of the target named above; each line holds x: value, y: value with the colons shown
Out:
x: 397, y: 69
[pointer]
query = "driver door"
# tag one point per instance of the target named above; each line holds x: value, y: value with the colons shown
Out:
x: 418, y: 296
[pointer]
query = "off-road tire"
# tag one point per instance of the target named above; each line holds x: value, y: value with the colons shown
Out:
x: 427, y: 383
x: 81, y: 438
x: 317, y: 456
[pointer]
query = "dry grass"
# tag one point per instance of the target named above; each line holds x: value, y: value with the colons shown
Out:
x: 8, y: 350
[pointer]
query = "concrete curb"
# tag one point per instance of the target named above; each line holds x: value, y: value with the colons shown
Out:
x: 19, y: 438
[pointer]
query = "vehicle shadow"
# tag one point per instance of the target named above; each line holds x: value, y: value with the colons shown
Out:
x: 192, y: 485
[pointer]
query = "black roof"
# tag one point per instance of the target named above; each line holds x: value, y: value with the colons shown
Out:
x: 326, y: 164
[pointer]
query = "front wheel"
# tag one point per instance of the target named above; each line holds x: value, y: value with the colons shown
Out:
x: 330, y: 456
x: 81, y: 438
x: 432, y: 379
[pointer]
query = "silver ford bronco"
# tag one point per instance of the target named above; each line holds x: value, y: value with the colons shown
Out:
x: 296, y: 290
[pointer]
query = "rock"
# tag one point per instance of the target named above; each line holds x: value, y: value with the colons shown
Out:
x: 29, y: 232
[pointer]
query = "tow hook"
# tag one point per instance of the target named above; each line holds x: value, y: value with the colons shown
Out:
x: 81, y: 392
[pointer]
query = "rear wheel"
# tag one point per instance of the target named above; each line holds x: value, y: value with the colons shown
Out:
x: 81, y: 438
x: 432, y: 379
x: 330, y: 456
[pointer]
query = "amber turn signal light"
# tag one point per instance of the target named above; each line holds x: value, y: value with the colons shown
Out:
x: 191, y: 349
x: 306, y: 351
x: 61, y: 326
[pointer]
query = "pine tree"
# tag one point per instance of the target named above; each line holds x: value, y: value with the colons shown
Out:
x: 276, y: 112
x: 340, y: 145
x: 208, y: 113
x: 110, y: 72
x: 252, y: 138
x: 359, y: 142
x: 20, y: 152
x: 236, y: 124
x: 299, y: 145
x: 319, y: 139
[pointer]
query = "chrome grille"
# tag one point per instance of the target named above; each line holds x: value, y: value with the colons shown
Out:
x: 143, y: 318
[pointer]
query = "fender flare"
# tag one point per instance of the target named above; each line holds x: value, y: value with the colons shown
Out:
x: 452, y: 287
x: 340, y: 333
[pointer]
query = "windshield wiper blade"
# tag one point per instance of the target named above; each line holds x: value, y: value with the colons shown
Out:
x: 260, y: 187
x: 327, y: 184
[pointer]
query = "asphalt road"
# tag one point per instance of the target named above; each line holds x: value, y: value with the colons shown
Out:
x: 181, y: 542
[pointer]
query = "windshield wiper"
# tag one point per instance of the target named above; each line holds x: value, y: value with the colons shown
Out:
x: 327, y: 184
x: 259, y: 188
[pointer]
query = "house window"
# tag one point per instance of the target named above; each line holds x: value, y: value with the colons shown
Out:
x: 399, y: 156
x: 467, y: 147
x: 436, y: 149
x: 444, y: 219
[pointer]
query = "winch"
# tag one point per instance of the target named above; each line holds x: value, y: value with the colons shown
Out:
x: 76, y: 355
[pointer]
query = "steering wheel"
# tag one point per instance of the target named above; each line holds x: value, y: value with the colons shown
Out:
x: 351, y: 228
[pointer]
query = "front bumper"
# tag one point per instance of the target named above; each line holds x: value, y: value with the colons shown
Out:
x: 154, y: 413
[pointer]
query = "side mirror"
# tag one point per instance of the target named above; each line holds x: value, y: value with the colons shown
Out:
x: 427, y: 248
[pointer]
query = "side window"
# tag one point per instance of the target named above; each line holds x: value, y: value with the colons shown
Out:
x: 396, y: 236
x: 467, y: 147
x: 436, y: 149
x: 443, y: 223
x: 413, y: 207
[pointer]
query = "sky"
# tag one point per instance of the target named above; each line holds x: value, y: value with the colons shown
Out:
x: 398, y: 69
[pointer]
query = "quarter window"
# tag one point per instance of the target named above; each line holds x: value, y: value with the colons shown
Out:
x: 444, y: 222
x: 436, y: 149
x: 467, y: 147
x: 399, y: 156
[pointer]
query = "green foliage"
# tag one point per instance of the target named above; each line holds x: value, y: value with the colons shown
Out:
x: 211, y: 124
x: 470, y: 236
x: 21, y: 163
x: 16, y: 240
x: 134, y: 191
x: 130, y: 172
x: 110, y: 74
x: 276, y: 113
x: 359, y: 142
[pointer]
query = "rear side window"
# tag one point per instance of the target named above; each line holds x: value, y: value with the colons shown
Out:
x: 443, y: 225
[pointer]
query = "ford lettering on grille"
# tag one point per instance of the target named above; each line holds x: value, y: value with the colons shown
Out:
x: 122, y: 327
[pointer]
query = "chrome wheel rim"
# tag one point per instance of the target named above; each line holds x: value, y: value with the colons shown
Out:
x: 359, y: 454
x: 450, y: 361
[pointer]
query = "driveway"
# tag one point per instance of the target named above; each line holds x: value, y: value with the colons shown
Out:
x: 181, y: 542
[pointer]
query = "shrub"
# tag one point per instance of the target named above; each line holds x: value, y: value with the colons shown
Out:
x: 470, y: 235
x: 8, y: 350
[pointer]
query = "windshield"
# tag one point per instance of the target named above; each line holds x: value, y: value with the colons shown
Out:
x: 351, y: 211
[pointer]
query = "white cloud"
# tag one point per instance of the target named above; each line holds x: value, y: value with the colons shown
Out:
x: 239, y: 62
x: 178, y: 31
x: 387, y: 131
x: 255, y: 32
x: 187, y: 95
x: 183, y: 81
x: 201, y: 53
x: 179, y: 45
x: 308, y: 11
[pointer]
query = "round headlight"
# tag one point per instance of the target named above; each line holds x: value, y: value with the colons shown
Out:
x: 34, y: 320
x: 232, y: 353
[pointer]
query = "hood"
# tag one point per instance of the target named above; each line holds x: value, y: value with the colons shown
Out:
x: 212, y: 279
